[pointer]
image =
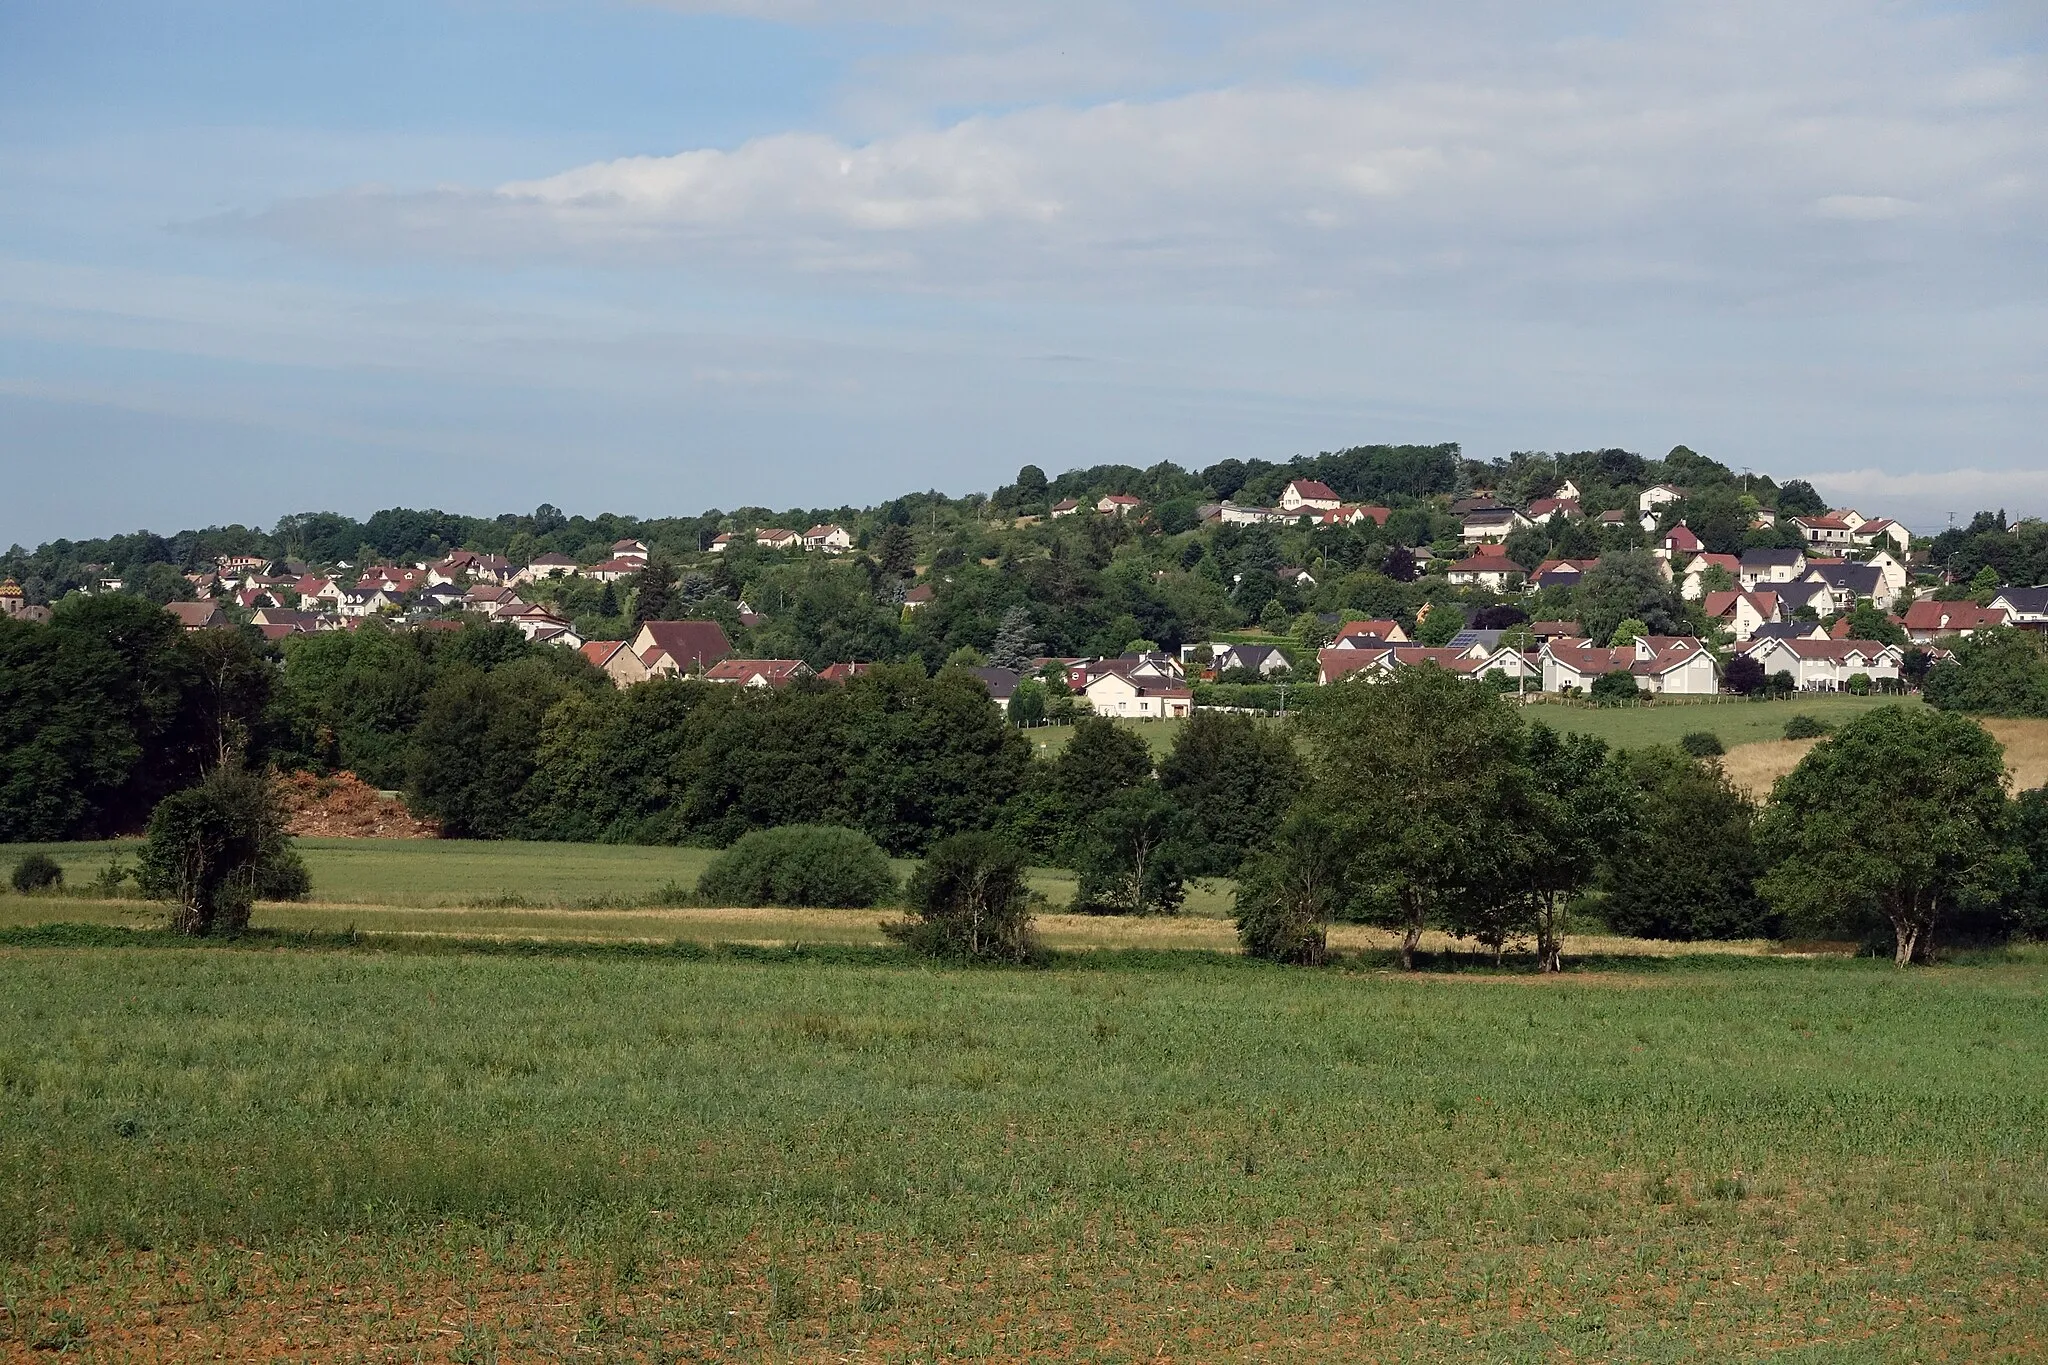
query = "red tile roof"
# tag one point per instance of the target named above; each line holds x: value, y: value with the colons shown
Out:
x: 1310, y: 488
x: 689, y: 643
x: 1950, y: 617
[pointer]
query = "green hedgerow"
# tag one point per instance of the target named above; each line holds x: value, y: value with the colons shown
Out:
x: 821, y: 866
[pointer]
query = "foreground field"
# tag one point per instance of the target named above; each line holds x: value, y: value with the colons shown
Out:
x: 404, y: 1156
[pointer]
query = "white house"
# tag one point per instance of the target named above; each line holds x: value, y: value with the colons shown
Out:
x: 546, y: 566
x: 1491, y: 525
x: 1677, y: 665
x: 1693, y: 583
x: 1930, y: 620
x: 1118, y: 504
x: 833, y: 540
x: 1848, y: 584
x: 635, y: 550
x: 1771, y: 566
x: 1829, y: 532
x: 1307, y: 495
x: 1826, y: 665
x: 1743, y: 611
x: 1882, y: 531
x: 775, y: 538
x: 1488, y: 568
x: 2026, y: 608
x: 1113, y: 693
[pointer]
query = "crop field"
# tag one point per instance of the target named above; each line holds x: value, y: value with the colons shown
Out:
x: 468, y: 1154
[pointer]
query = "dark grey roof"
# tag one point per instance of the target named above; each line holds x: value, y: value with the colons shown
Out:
x: 1861, y: 579
x: 2029, y: 600
x: 1001, y: 682
x: 1467, y: 638
x: 1787, y: 630
x: 1248, y: 656
x: 1771, y: 559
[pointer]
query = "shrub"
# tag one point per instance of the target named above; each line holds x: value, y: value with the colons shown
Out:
x: 37, y: 872
x: 1859, y: 684
x: 811, y: 865
x: 1806, y: 727
x: 968, y: 899
x: 1129, y: 859
x: 215, y: 848
x: 1610, y: 689
x: 1744, y: 675
x: 1703, y: 744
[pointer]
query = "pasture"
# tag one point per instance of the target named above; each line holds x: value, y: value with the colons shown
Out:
x: 439, y: 1154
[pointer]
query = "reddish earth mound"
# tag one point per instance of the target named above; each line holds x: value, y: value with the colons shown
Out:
x: 345, y: 807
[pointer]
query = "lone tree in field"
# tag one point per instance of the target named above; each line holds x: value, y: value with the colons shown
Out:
x: 1418, y: 779
x: 215, y: 849
x: 969, y: 899
x: 1900, y: 819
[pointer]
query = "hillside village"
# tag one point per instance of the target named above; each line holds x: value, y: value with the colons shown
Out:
x: 1744, y: 587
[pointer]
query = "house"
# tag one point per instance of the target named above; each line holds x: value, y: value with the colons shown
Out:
x: 1791, y: 630
x: 205, y: 615
x: 1826, y: 665
x: 1264, y: 660
x: 1829, y: 531
x: 612, y: 570
x: 1066, y: 507
x: 673, y: 648
x: 1849, y: 517
x: 775, y: 538
x: 1351, y: 514
x: 1307, y: 495
x: 1742, y: 612
x: 1355, y: 634
x: 1929, y: 621
x: 1808, y: 595
x: 1610, y: 520
x: 1491, y: 525
x: 1000, y: 682
x: 1295, y: 574
x: 357, y: 603
x: 276, y: 623
x: 546, y: 566
x: 1679, y: 545
x: 1123, y: 692
x: 1763, y: 519
x: 833, y: 540
x: 543, y: 627
x: 1770, y: 566
x: 1656, y: 496
x: 1848, y: 584
x: 2026, y: 608
x: 490, y: 600
x: 618, y: 661
x: 1693, y: 583
x: 918, y: 598
x: 1883, y: 531
x: 1568, y: 490
x: 1150, y: 667
x: 1118, y: 504
x: 635, y: 550
x: 1334, y: 665
x: 1556, y: 630
x: 1544, y: 510
x: 1559, y: 573
x: 1661, y: 664
x: 472, y: 564
x: 1896, y: 575
x: 776, y: 673
x: 1486, y: 568
x: 843, y: 673
x: 723, y: 541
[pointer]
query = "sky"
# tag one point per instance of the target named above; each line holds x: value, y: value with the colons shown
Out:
x: 266, y: 257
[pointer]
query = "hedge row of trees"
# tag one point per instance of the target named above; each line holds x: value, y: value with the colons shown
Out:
x: 1430, y: 805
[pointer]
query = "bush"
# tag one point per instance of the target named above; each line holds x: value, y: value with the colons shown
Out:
x: 968, y: 899
x: 37, y: 872
x: 1611, y: 689
x: 1806, y: 727
x: 1129, y: 858
x: 810, y: 865
x: 1744, y: 675
x: 1703, y: 744
x: 1859, y: 684
x: 215, y: 848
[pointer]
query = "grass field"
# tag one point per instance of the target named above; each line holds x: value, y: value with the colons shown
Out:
x: 461, y: 1156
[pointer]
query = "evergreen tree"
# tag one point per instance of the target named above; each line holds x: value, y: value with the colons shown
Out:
x: 654, y: 592
x: 1014, y: 646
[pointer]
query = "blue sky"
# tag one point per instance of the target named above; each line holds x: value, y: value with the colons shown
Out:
x: 258, y: 258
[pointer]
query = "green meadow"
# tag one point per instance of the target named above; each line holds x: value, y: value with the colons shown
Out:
x: 449, y: 1153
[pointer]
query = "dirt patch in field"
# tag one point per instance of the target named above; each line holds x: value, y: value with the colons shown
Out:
x: 346, y: 807
x: 1756, y: 767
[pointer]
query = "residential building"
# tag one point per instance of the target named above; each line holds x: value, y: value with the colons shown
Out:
x: 1825, y: 665
x: 775, y: 538
x: 635, y: 550
x: 775, y: 673
x: 1000, y: 682
x: 1848, y: 584
x: 1117, y: 692
x: 833, y: 540
x: 1487, y: 568
x: 1117, y: 504
x: 1791, y: 630
x: 1679, y: 545
x: 1656, y: 496
x: 1354, y: 634
x: 1492, y: 525
x: 723, y: 541
x: 546, y: 566
x: 1742, y: 612
x: 1884, y: 532
x: 618, y: 661
x: 1066, y: 507
x: 1335, y: 665
x: 1771, y: 566
x: 919, y: 597
x: 1826, y: 532
x: 1544, y: 510
x: 1309, y: 495
x: 1693, y: 582
x: 614, y: 569
x: 842, y: 673
x: 1559, y: 573
x: 2026, y: 608
x: 1661, y: 664
x: 1264, y: 660
x: 205, y: 615
x: 679, y: 647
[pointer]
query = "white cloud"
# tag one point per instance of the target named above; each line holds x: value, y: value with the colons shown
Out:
x: 1925, y: 499
x: 1677, y: 152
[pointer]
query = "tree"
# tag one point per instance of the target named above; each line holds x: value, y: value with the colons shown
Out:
x: 1234, y: 780
x: 896, y: 551
x: 1686, y: 865
x: 1743, y: 675
x: 1416, y: 777
x: 1288, y: 894
x: 1031, y: 484
x: 1273, y: 617
x: 477, y: 742
x: 1628, y: 632
x: 1616, y: 689
x: 608, y: 601
x: 653, y: 592
x: 969, y: 899
x: 1014, y: 645
x: 1440, y: 626
x: 1900, y: 820
x: 2002, y: 672
x: 1868, y: 623
x: 1128, y: 857
x: 1798, y: 499
x: 213, y: 849
x: 1629, y: 585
